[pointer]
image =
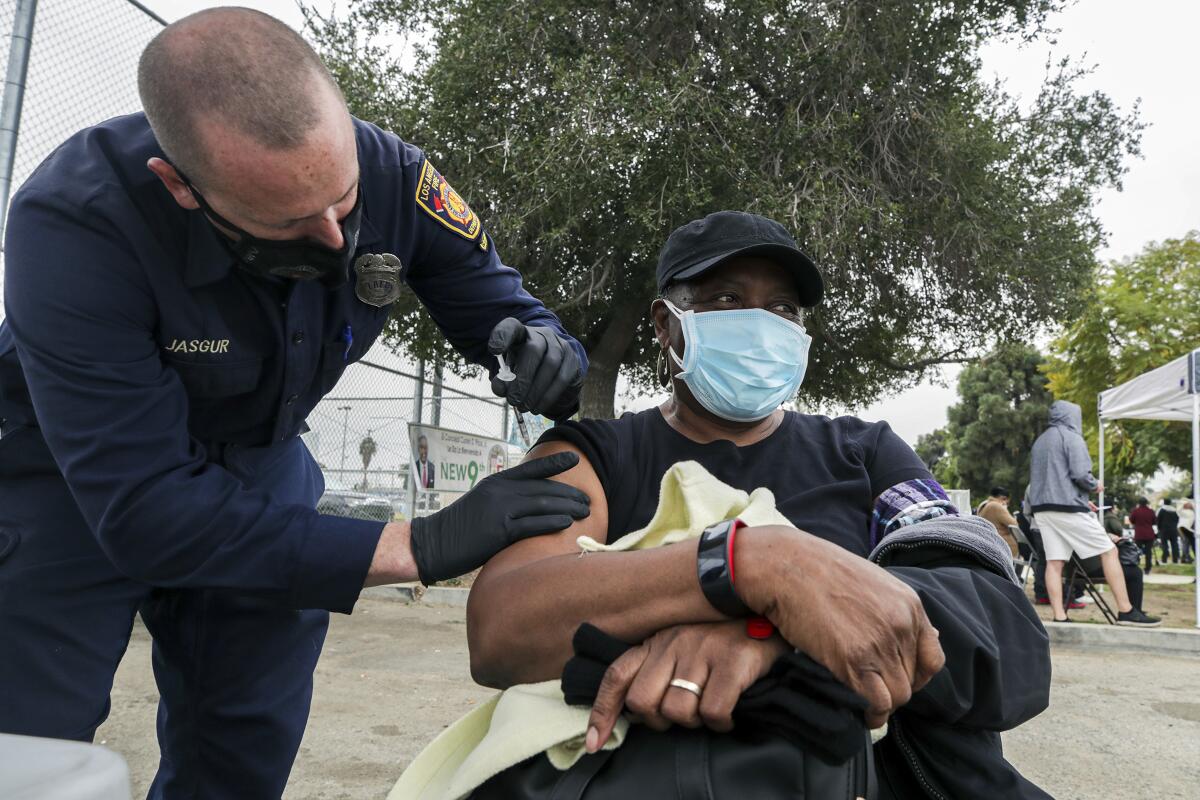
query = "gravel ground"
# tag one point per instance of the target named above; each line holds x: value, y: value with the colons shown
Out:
x: 392, y: 676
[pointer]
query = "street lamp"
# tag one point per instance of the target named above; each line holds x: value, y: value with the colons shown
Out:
x: 345, y: 430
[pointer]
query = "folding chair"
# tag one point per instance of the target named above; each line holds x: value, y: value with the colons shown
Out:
x: 1087, y: 573
x: 1026, y: 563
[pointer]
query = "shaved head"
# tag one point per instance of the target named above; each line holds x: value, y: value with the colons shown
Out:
x: 233, y: 72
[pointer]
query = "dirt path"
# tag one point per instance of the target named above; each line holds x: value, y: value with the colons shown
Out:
x: 392, y: 676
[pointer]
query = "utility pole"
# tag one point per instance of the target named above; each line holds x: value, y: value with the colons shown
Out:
x: 345, y: 430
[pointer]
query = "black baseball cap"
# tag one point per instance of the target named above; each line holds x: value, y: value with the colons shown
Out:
x: 703, y: 244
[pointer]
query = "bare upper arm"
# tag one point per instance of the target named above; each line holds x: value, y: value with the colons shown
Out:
x: 583, y: 477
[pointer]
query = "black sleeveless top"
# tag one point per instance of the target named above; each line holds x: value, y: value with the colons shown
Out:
x: 825, y: 473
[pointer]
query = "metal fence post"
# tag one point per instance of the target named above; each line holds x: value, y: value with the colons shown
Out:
x: 438, y: 370
x: 418, y: 417
x: 345, y: 431
x: 419, y: 394
x: 14, y: 95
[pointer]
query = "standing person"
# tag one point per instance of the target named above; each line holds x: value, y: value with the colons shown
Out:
x: 183, y: 286
x: 1168, y: 530
x: 1025, y: 519
x: 1060, y: 481
x: 1187, y: 530
x: 995, y: 510
x: 1143, y: 519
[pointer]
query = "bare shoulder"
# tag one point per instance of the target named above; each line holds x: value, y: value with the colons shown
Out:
x: 583, y: 477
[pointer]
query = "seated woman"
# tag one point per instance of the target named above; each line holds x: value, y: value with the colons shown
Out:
x: 729, y: 326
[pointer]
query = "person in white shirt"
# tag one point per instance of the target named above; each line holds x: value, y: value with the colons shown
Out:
x: 1187, y: 530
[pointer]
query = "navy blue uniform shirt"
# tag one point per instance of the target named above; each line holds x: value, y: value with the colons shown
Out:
x: 140, y: 350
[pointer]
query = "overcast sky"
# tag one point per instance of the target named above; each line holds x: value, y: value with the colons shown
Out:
x: 1141, y: 50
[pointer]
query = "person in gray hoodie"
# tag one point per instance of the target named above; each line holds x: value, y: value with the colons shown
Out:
x: 1060, y: 482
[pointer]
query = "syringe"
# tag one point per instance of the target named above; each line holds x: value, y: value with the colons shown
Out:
x: 505, y: 374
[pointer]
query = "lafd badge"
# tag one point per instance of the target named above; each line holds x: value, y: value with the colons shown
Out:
x: 379, y: 281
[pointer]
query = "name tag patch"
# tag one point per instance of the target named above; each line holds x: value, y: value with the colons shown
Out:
x: 198, y: 346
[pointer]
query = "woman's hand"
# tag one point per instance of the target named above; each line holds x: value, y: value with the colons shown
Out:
x: 718, y: 657
x: 865, y: 626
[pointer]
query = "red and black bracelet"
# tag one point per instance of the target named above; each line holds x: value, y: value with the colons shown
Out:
x: 715, y: 569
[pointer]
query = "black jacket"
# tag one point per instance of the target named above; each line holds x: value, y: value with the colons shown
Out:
x: 945, y: 744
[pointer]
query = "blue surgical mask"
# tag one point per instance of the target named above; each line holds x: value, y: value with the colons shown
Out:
x: 741, y: 365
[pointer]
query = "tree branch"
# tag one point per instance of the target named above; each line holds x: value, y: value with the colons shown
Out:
x: 949, y: 357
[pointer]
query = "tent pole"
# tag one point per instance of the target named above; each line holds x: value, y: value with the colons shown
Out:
x: 1100, y: 513
x: 1196, y: 482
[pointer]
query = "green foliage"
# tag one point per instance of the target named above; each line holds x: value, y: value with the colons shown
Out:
x: 931, y: 447
x: 1140, y: 314
x: 1124, y: 489
x: 946, y: 473
x: 1179, y: 488
x: 1003, y: 407
x: 944, y: 217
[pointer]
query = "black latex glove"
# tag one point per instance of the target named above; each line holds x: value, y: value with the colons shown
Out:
x: 502, y: 508
x: 549, y: 373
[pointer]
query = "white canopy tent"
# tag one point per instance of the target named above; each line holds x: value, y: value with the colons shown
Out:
x: 1171, y: 392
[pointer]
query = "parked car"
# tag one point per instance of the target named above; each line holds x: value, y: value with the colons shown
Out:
x: 357, y: 505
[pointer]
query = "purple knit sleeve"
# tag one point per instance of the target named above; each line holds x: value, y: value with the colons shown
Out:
x: 908, y: 503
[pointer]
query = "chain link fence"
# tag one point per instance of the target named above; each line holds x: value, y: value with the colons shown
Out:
x: 359, y: 433
x: 82, y: 69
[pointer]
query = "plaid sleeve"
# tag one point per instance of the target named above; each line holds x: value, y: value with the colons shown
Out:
x: 908, y: 503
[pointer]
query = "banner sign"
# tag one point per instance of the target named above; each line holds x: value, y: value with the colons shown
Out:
x: 452, y: 461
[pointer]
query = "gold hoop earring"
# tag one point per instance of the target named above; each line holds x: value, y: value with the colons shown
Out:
x: 664, y: 370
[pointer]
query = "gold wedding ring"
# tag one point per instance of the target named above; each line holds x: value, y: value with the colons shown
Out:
x: 687, y: 686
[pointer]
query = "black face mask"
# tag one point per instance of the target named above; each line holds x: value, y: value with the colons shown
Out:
x: 297, y: 259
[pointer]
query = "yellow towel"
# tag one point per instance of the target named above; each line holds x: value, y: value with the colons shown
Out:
x: 526, y: 720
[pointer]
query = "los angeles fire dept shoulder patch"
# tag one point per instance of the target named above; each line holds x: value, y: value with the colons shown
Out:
x: 445, y: 205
